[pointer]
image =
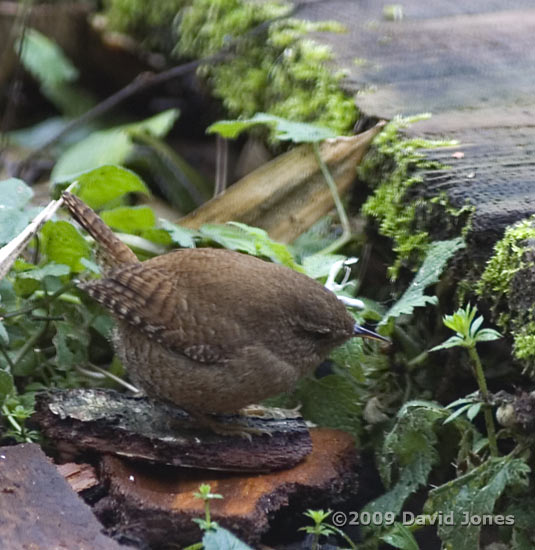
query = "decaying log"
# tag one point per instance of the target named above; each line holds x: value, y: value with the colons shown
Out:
x: 288, y: 194
x: 39, y: 510
x: 137, y: 427
x: 80, y: 477
x: 157, y: 504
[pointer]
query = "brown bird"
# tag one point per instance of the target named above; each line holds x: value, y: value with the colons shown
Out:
x: 212, y: 330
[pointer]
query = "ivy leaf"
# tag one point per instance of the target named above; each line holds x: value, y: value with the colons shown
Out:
x: 130, y: 219
x: 284, y: 130
x: 221, y: 539
x: 15, y: 193
x: 62, y: 244
x: 401, y: 537
x: 474, y: 494
x: 437, y: 258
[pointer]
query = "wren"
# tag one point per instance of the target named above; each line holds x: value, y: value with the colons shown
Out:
x: 212, y: 330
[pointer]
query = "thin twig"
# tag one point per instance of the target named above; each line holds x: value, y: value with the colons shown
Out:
x: 346, y: 228
x: 147, y: 80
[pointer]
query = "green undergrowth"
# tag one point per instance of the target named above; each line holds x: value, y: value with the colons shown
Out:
x: 510, y: 263
x: 392, y: 170
x: 280, y: 71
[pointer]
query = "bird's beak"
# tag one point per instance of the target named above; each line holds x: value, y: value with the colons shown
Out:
x: 365, y: 333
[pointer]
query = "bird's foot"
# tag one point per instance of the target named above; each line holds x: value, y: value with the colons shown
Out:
x: 230, y: 427
x: 274, y: 413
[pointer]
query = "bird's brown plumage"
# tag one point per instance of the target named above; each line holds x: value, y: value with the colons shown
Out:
x: 212, y: 330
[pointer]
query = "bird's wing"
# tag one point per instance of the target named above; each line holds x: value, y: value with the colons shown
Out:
x: 155, y: 302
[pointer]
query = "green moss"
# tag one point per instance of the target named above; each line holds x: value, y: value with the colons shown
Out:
x: 391, y: 170
x: 279, y: 70
x: 147, y: 21
x: 495, y: 286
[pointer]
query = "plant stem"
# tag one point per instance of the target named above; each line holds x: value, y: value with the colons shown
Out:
x: 346, y: 229
x: 482, y: 383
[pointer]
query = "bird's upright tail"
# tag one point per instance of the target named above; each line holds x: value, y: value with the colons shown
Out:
x: 112, y: 251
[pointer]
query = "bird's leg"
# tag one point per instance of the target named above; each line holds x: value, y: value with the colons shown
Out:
x: 228, y: 427
x: 275, y: 413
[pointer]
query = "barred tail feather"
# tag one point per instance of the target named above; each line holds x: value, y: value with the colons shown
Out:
x: 115, y: 252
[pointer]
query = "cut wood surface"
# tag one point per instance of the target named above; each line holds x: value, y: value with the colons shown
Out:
x: 289, y: 194
x: 140, y: 428
x: 440, y: 56
x: 38, y: 509
x: 157, y: 505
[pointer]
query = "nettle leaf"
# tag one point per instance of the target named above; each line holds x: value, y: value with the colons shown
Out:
x: 409, y: 450
x: 284, y: 130
x: 401, y: 537
x: 14, y: 193
x: 252, y: 240
x: 474, y: 495
x: 62, y: 244
x: 129, y: 219
x: 437, y: 258
x: 333, y: 401
x: 7, y: 386
x: 111, y: 146
x: 221, y: 539
x: 70, y: 342
x: 318, y: 266
x: 181, y: 236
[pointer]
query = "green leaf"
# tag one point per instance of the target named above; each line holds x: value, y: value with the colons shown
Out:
x: 45, y: 60
x: 401, y: 537
x: 451, y: 342
x: 129, y: 219
x: 318, y: 266
x: 14, y: 193
x: 4, y: 336
x: 52, y: 269
x: 457, y: 413
x: 106, y: 184
x: 221, y: 539
x: 487, y: 335
x: 70, y: 342
x: 285, y: 130
x: 12, y: 222
x: 437, y: 257
x: 252, y: 240
x: 474, y: 495
x: 182, y: 236
x: 409, y: 449
x: 111, y: 146
x: 7, y: 386
x: 158, y: 125
x: 62, y: 244
x: 473, y: 411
